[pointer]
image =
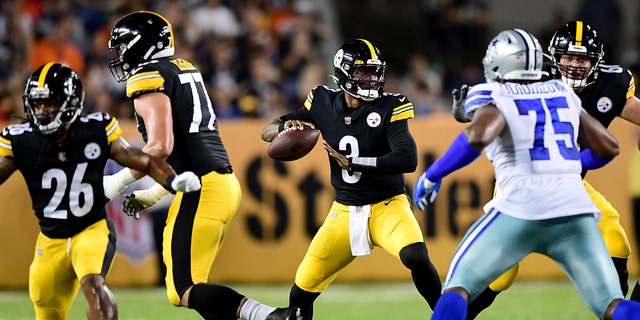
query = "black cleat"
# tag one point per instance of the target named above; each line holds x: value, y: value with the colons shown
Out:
x: 285, y: 314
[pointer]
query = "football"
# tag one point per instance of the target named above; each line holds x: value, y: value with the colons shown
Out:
x: 292, y: 144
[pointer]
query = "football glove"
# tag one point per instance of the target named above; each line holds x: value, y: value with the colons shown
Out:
x: 142, y: 199
x: 458, y: 104
x: 185, y: 182
x: 116, y: 183
x: 423, y: 189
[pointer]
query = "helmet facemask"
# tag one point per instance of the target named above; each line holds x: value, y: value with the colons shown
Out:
x: 577, y: 76
x: 366, y: 82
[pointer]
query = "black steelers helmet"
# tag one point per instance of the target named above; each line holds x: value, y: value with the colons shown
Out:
x: 137, y: 38
x: 576, y: 38
x: 53, y: 85
x: 359, y: 69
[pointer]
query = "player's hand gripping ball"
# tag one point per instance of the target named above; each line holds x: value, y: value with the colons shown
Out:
x: 293, y: 143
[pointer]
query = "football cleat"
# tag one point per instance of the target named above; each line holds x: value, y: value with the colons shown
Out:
x: 285, y: 314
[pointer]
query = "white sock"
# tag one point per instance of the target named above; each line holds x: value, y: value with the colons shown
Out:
x: 254, y: 310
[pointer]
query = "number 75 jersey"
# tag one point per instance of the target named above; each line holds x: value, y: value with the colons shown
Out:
x: 64, y: 181
x: 537, y: 156
x: 541, y: 135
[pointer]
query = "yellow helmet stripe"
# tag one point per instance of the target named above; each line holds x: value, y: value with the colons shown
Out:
x: 578, y: 33
x: 43, y: 74
x: 371, y: 49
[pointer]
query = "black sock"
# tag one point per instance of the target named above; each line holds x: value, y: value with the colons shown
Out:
x: 303, y: 300
x: 623, y: 274
x: 483, y: 301
x: 214, y: 302
x: 635, y: 294
x: 423, y: 272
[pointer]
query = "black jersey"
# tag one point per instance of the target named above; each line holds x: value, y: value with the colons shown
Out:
x: 605, y: 98
x: 65, y: 182
x: 197, y: 145
x: 376, y: 133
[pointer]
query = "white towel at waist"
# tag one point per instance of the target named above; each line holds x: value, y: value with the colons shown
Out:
x: 359, y: 230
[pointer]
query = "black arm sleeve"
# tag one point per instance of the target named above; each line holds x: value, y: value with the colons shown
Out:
x: 403, y: 157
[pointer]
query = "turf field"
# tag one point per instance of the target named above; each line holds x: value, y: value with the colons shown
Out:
x: 525, y: 300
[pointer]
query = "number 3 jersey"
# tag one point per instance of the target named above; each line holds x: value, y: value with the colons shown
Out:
x: 537, y: 156
x: 375, y: 137
x: 65, y: 182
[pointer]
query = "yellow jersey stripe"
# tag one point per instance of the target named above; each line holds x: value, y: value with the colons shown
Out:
x: 402, y: 112
x: 145, y: 81
x: 578, y: 33
x: 43, y: 74
x: 5, y: 148
x: 631, y: 91
x: 113, y: 130
x: 307, y: 103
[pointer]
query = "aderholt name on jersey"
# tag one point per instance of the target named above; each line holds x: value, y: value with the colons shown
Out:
x: 513, y: 88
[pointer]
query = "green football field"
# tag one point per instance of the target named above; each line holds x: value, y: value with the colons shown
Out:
x: 525, y: 300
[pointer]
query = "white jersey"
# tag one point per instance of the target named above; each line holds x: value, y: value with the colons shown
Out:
x: 536, y: 157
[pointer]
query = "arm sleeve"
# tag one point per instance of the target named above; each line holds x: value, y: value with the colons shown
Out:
x: 403, y: 157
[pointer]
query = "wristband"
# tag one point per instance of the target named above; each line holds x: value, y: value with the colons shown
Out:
x: 459, y: 154
x: 169, y: 181
x: 152, y: 195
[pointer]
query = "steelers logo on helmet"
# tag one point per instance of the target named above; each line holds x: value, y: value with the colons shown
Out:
x: 337, y: 59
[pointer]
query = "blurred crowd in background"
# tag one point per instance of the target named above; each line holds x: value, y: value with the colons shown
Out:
x: 260, y: 58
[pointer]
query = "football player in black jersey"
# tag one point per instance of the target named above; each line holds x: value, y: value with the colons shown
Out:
x: 176, y: 119
x: 370, y: 147
x: 62, y: 156
x: 606, y: 92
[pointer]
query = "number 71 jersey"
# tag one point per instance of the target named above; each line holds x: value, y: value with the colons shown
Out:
x: 64, y: 181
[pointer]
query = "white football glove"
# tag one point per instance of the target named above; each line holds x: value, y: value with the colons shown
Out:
x: 458, y: 104
x: 142, y: 199
x: 116, y: 183
x: 186, y: 182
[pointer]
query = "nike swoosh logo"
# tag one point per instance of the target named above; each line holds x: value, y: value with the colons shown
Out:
x: 402, y: 99
x: 386, y: 203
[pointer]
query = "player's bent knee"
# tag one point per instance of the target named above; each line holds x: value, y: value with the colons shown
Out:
x: 505, y: 281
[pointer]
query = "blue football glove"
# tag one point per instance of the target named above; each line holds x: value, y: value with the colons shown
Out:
x: 423, y: 189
